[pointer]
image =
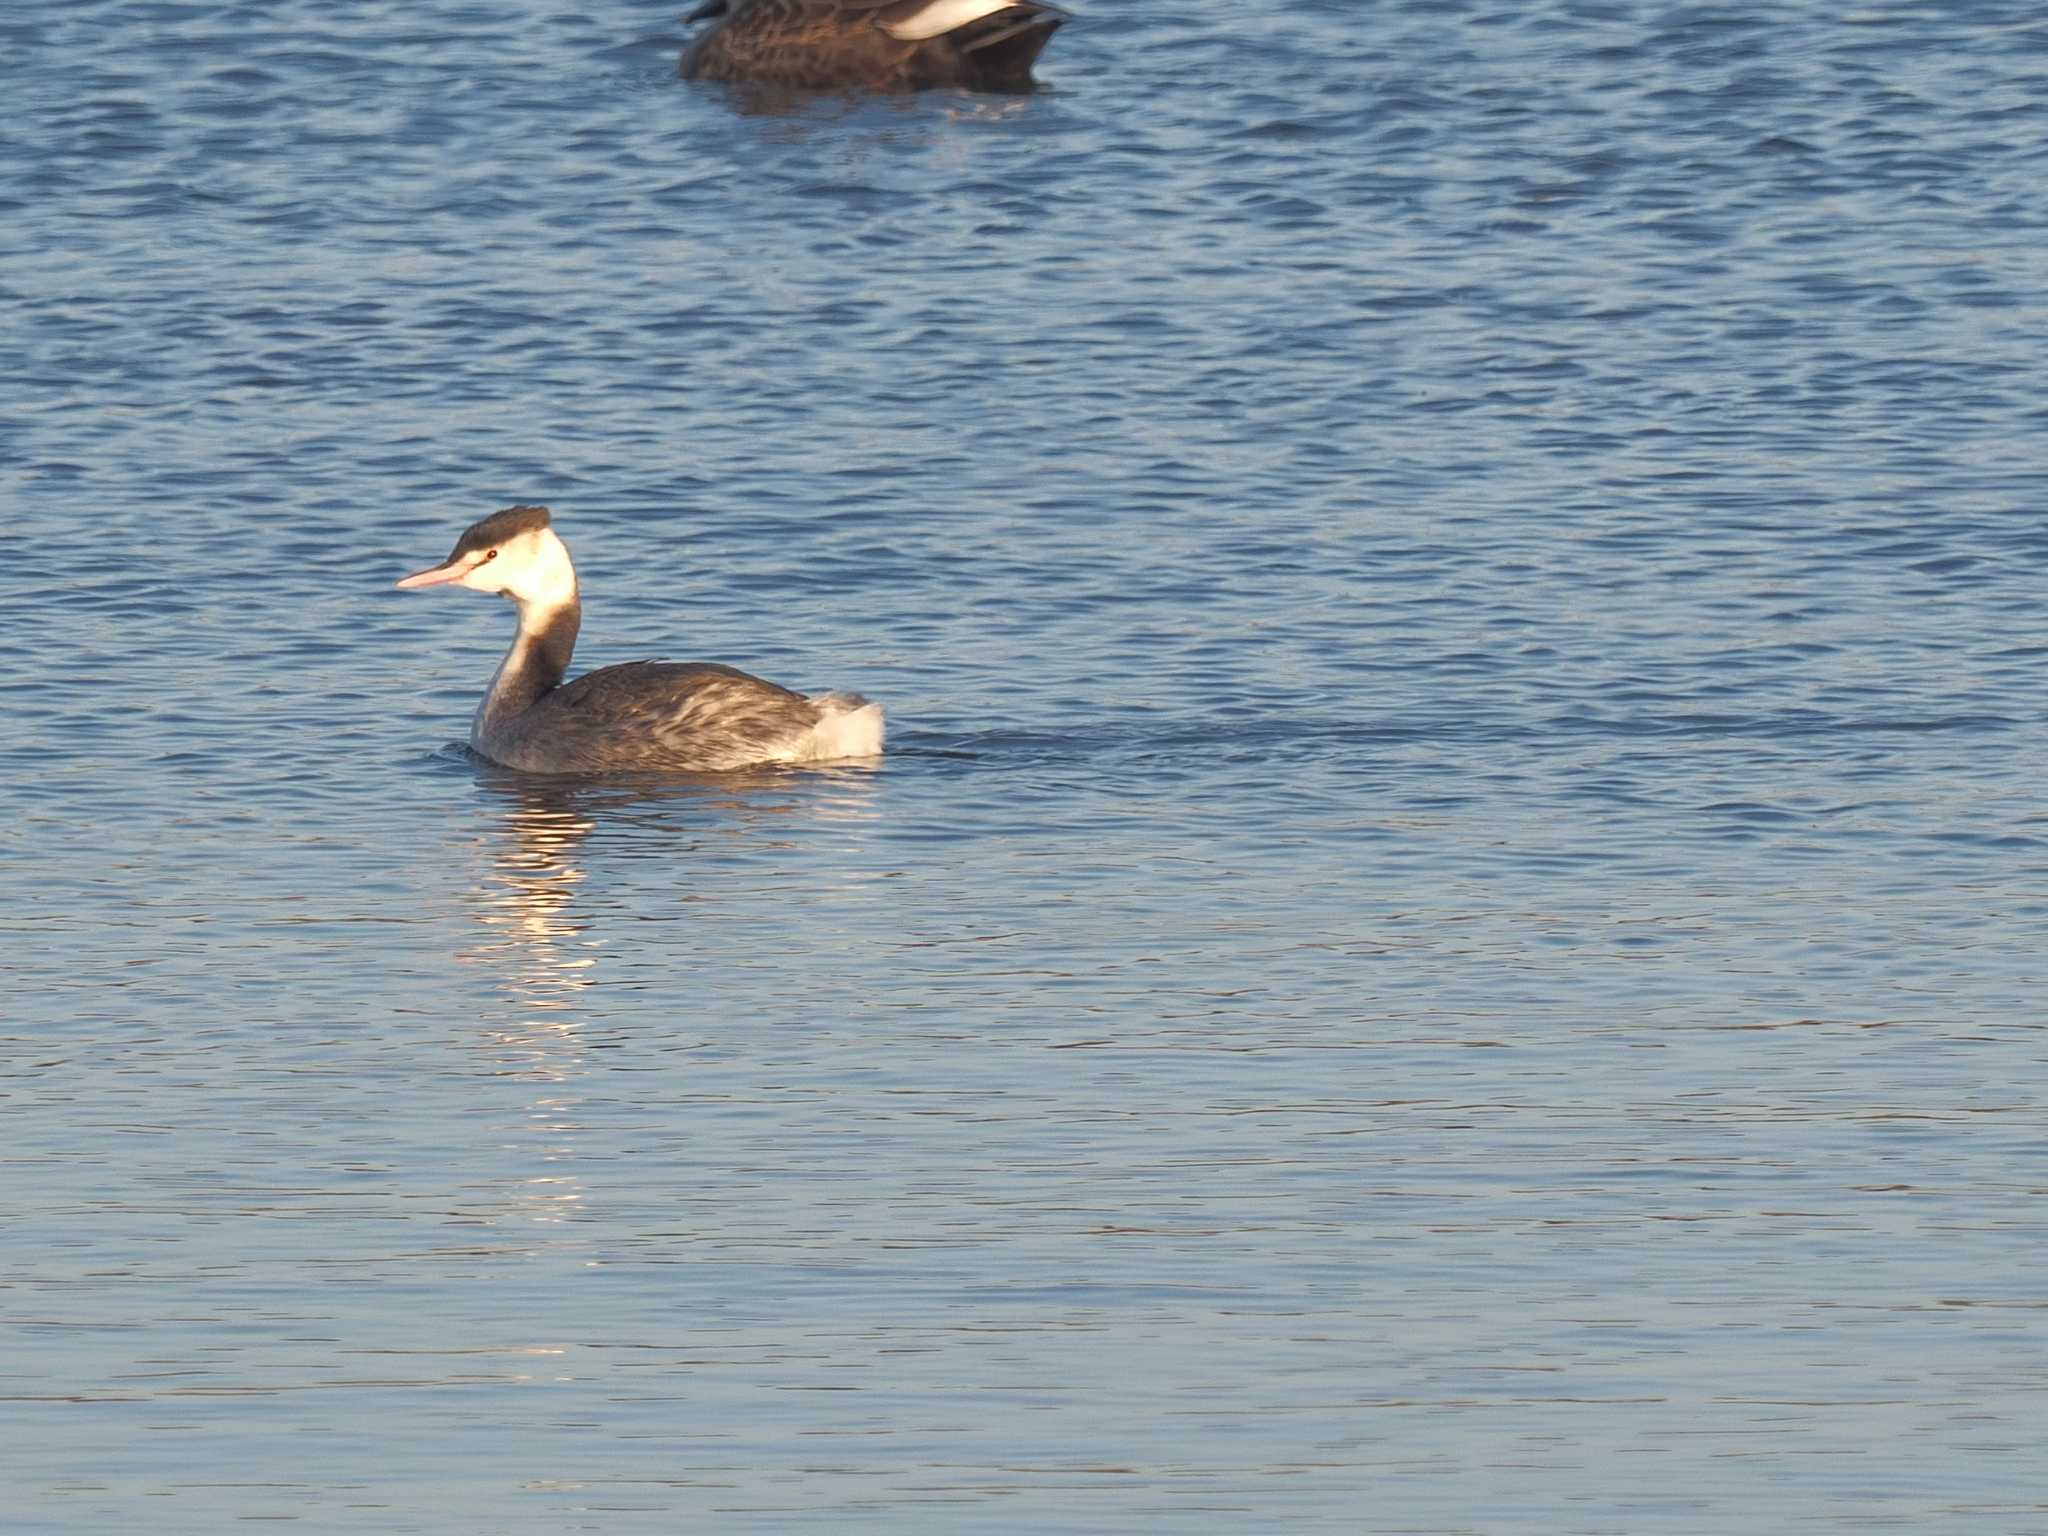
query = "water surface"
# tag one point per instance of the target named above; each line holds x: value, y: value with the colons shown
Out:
x: 1452, y: 936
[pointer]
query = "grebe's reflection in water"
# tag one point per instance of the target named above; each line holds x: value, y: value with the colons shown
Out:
x: 545, y: 927
x: 580, y: 978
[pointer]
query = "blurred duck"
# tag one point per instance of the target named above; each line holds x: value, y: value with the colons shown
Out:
x: 643, y: 717
x: 872, y: 45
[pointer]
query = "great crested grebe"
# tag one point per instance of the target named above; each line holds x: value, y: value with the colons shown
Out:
x: 642, y: 717
x: 872, y: 45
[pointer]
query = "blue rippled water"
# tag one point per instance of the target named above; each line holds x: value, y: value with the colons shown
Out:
x: 1452, y: 937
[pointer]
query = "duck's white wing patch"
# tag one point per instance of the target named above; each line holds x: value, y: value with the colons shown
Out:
x: 939, y: 17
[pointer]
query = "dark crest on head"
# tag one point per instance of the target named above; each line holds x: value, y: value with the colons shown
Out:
x: 499, y: 527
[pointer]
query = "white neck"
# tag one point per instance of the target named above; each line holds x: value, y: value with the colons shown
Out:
x: 542, y: 581
x: 545, y: 578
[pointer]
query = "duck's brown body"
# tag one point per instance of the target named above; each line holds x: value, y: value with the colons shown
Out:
x: 873, y: 45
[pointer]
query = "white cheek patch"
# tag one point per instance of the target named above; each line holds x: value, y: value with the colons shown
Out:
x: 476, y: 575
x: 941, y: 17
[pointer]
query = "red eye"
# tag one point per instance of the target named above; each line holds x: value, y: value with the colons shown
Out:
x: 490, y: 554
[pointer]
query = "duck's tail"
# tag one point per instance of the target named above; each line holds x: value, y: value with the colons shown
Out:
x: 1016, y: 28
x: 997, y: 40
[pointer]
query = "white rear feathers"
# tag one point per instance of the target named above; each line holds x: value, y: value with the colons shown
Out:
x: 849, y: 727
x: 942, y: 16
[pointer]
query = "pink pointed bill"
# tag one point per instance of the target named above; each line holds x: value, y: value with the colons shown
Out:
x: 436, y: 575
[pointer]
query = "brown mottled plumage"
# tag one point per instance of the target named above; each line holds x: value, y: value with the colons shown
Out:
x: 674, y: 716
x: 642, y: 717
x: 872, y: 45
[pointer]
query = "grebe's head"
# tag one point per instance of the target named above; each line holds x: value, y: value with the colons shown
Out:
x: 514, y: 552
